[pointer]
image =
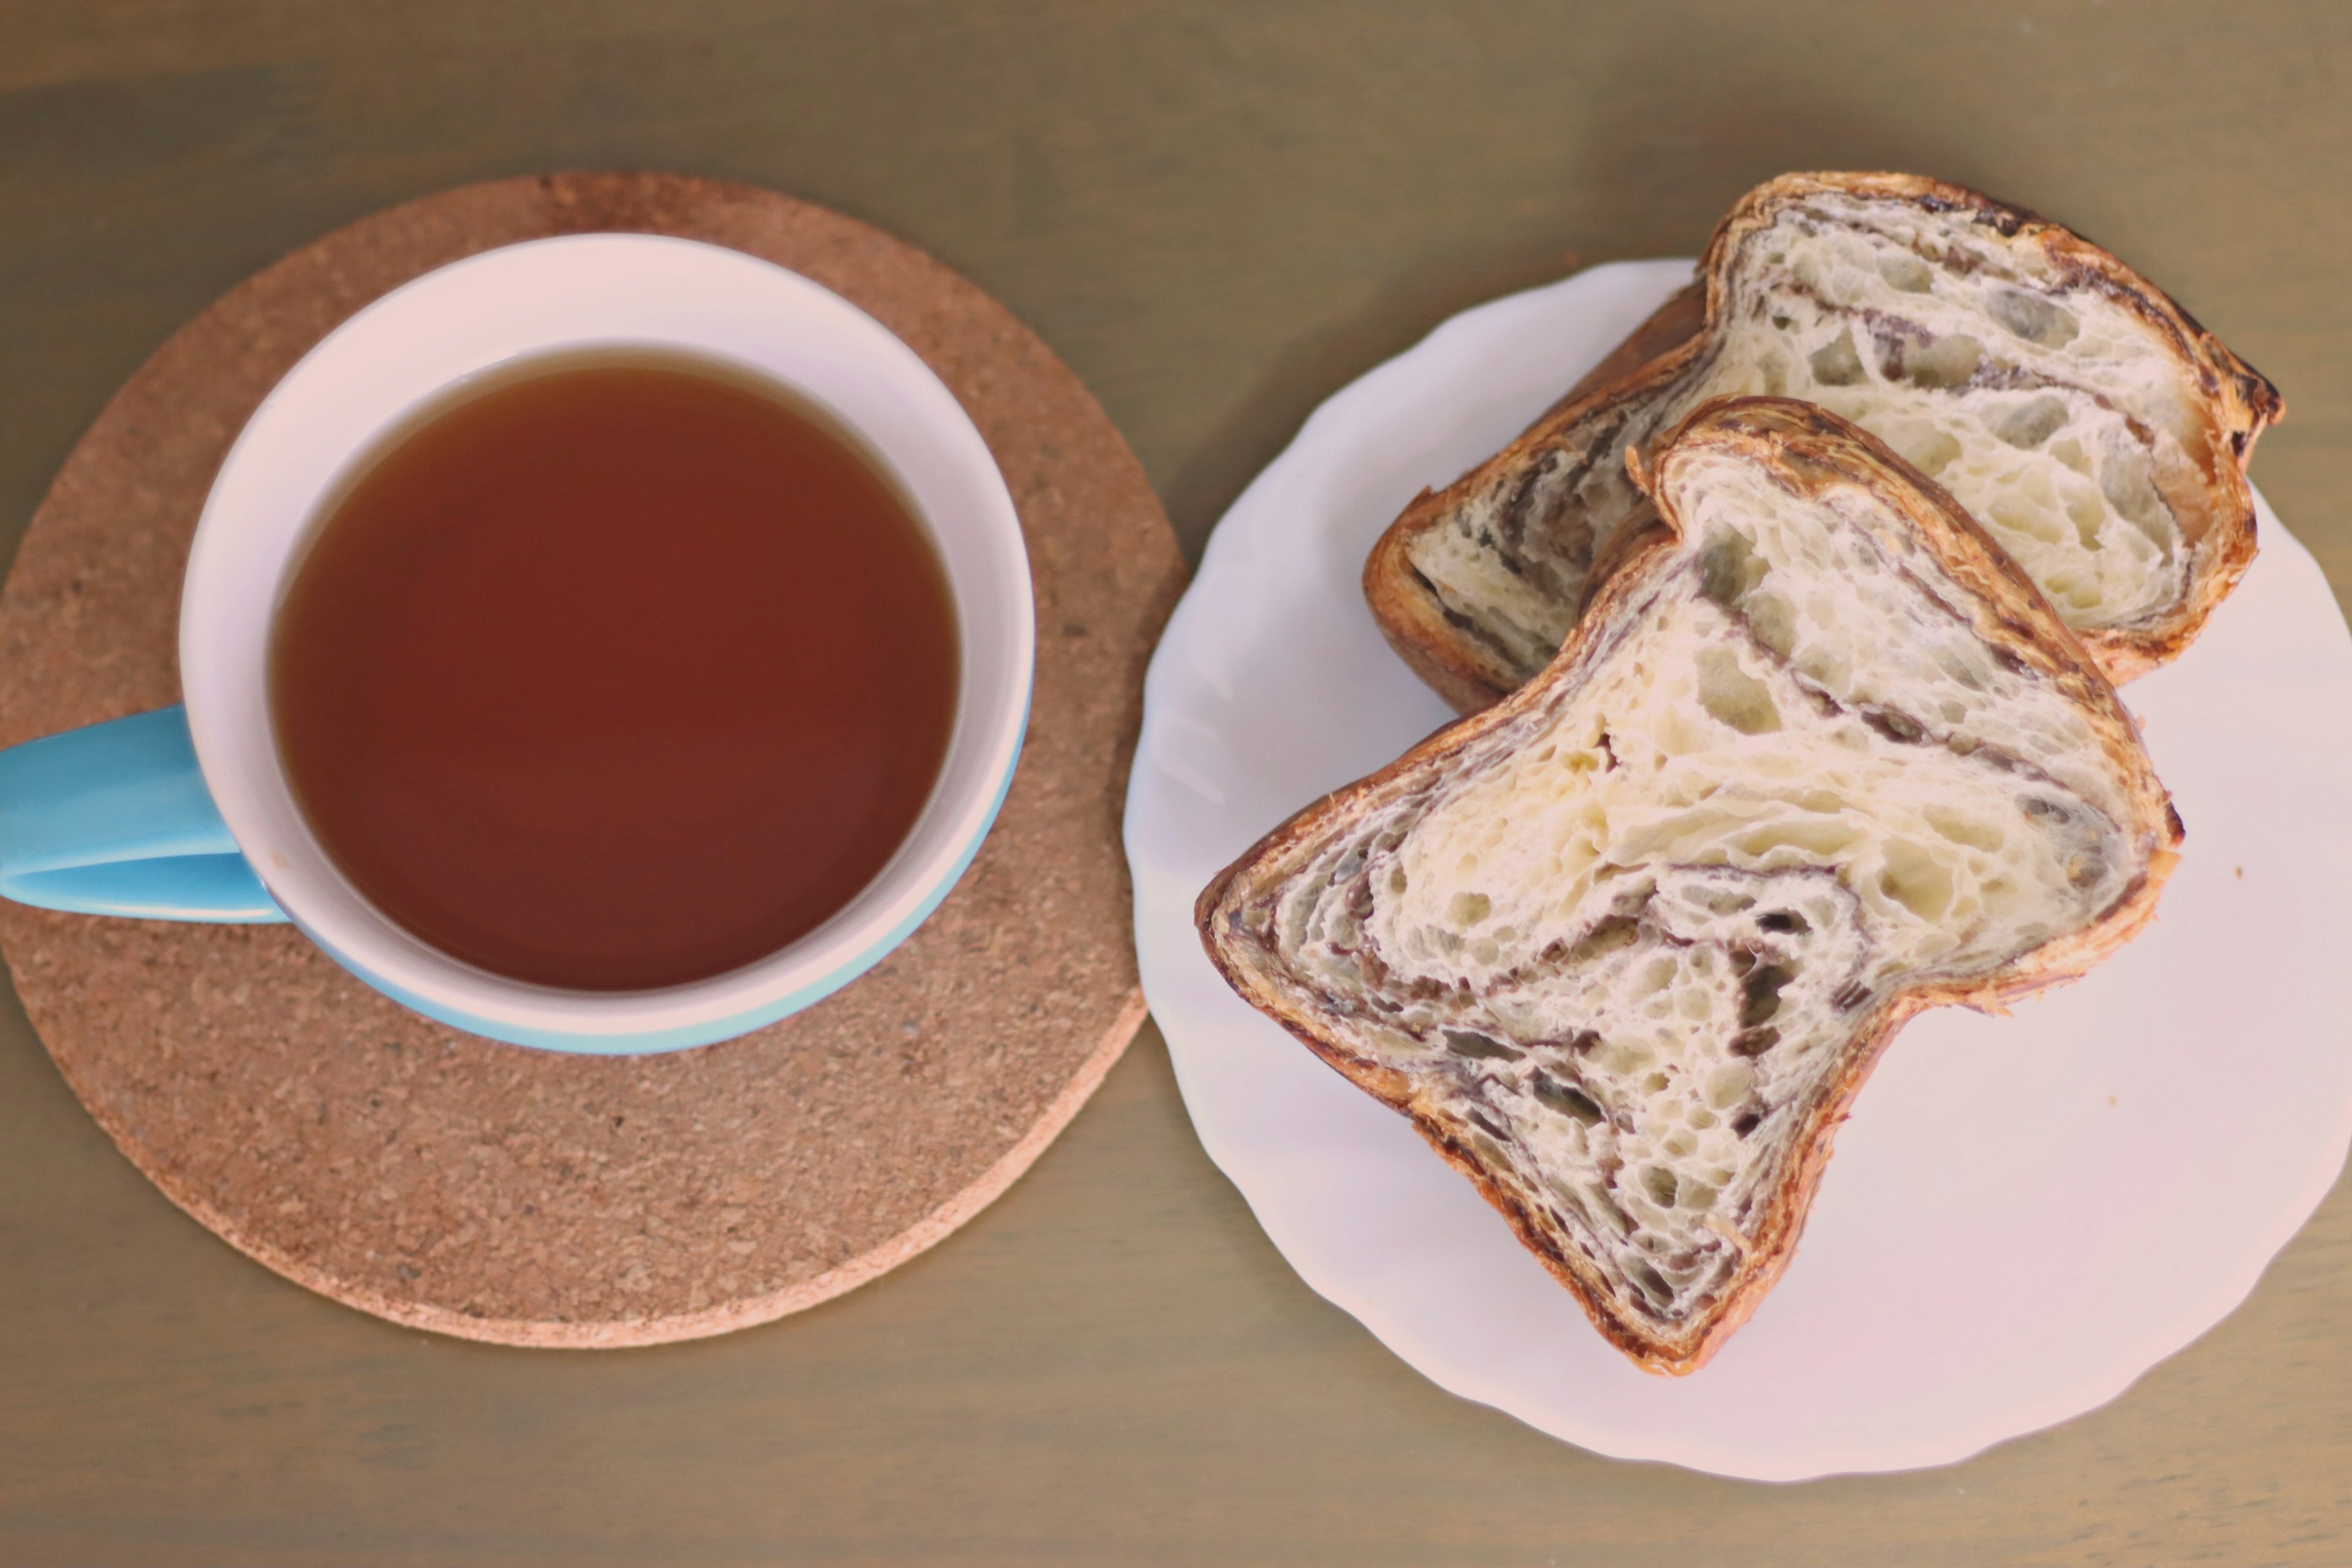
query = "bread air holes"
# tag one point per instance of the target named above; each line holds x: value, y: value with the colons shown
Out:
x: 1915, y: 880
x: 1773, y: 621
x: 1837, y: 363
x: 1906, y: 273
x: 2127, y: 478
x: 1729, y: 569
x: 2033, y: 317
x: 2087, y: 511
x: 1569, y: 1102
x: 1760, y: 993
x: 1573, y: 1202
x: 1942, y: 365
x: 1733, y: 697
x: 1720, y: 901
x: 1895, y: 725
x: 1925, y: 446
x: 1616, y: 1213
x: 1653, y: 1285
x: 2028, y: 424
x: 1609, y: 935
x: 1469, y: 1043
x: 1963, y: 830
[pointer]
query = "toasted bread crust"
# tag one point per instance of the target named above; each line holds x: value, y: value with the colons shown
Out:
x: 1435, y: 644
x: 1446, y: 651
x: 1806, y: 448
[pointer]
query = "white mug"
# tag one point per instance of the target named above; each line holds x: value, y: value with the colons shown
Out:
x: 188, y: 816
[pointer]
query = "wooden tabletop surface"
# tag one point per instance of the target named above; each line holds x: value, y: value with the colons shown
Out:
x: 1218, y: 215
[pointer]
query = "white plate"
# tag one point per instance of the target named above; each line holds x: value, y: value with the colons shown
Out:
x: 2024, y: 1213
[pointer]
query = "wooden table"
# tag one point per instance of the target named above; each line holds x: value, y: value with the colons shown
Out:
x: 1218, y: 215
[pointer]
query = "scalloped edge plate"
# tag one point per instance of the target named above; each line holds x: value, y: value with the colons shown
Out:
x: 2024, y: 1213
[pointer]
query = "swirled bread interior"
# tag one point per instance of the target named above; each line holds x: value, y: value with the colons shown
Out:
x: 1624, y: 946
x: 2091, y: 429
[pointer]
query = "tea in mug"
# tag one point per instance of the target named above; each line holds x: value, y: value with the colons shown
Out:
x: 615, y: 672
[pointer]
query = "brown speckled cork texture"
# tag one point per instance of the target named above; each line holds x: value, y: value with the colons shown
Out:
x: 531, y: 1198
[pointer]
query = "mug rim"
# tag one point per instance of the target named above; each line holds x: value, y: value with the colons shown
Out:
x: 346, y: 401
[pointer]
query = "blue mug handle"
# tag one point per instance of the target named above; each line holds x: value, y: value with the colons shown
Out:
x: 114, y: 820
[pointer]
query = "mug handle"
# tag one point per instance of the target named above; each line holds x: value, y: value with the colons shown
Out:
x: 114, y: 820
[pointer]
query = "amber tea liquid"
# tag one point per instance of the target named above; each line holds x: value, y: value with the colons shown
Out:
x: 614, y: 674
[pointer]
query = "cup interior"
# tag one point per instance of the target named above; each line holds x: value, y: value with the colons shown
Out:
x: 490, y: 316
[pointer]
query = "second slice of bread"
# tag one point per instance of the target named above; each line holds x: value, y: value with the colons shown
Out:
x: 2084, y: 420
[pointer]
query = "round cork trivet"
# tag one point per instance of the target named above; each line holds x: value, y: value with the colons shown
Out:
x: 532, y: 1198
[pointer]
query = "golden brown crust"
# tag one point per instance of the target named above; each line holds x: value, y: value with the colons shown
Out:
x: 1435, y: 645
x: 1443, y: 649
x: 1806, y: 448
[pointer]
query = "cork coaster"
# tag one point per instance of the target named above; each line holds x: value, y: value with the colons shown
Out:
x: 486, y: 1191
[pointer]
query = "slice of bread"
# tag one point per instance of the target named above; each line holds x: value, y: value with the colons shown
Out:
x: 2092, y: 427
x: 1624, y: 945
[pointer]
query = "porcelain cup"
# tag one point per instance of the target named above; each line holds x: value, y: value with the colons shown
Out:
x: 185, y: 812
